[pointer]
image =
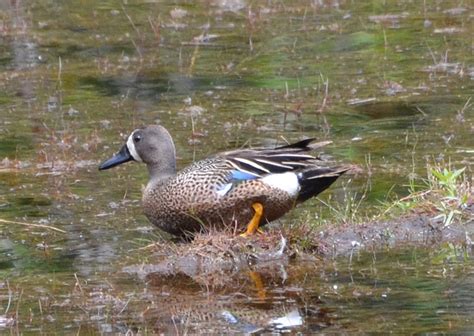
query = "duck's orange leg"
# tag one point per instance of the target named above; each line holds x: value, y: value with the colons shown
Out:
x: 257, y: 281
x: 252, y: 226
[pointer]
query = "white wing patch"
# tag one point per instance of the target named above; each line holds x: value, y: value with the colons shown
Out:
x: 222, y: 191
x: 286, y: 181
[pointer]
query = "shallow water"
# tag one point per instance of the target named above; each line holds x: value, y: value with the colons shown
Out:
x: 388, y: 83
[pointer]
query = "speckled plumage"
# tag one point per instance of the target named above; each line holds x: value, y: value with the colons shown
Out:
x: 219, y: 191
x: 184, y: 202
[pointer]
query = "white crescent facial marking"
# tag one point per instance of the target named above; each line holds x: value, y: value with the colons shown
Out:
x: 132, y: 149
x: 286, y: 181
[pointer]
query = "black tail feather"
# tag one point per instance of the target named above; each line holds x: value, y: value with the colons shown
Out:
x: 303, y: 144
x: 315, y: 181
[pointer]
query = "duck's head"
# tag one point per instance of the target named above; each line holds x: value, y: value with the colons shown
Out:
x: 151, y: 145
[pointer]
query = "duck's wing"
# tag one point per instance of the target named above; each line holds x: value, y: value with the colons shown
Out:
x: 291, y: 168
x: 262, y: 162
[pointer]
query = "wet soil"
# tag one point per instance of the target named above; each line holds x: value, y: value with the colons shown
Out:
x: 417, y: 228
x: 215, y: 259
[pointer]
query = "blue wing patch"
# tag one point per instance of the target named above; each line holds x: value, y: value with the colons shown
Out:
x: 235, y: 177
x: 238, y: 175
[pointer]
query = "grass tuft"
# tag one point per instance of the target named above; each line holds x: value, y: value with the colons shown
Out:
x: 445, y: 193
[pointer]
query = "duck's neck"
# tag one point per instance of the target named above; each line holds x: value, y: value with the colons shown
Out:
x: 164, y: 167
x: 161, y: 173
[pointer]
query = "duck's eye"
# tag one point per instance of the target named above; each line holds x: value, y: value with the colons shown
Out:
x: 137, y: 138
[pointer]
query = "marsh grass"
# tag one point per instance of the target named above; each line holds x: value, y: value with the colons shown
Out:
x: 444, y: 193
x: 454, y: 192
x: 348, y: 210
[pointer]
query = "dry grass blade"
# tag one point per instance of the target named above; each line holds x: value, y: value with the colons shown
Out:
x: 48, y: 227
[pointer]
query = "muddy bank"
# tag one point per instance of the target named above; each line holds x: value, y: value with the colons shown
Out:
x: 214, y: 259
x: 418, y: 229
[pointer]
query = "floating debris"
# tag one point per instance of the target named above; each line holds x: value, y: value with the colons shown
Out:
x: 448, y: 30
x: 455, y: 11
x: 361, y: 101
x: 178, y: 13
x: 387, y: 17
x: 6, y: 322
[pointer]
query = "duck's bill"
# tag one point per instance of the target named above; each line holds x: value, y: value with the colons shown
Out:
x: 121, y: 157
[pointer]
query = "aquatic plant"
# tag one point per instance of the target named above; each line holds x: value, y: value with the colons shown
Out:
x: 444, y: 193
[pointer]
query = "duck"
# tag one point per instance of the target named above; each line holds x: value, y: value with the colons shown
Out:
x: 241, y: 189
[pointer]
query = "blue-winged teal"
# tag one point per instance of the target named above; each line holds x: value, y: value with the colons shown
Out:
x: 237, y: 189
